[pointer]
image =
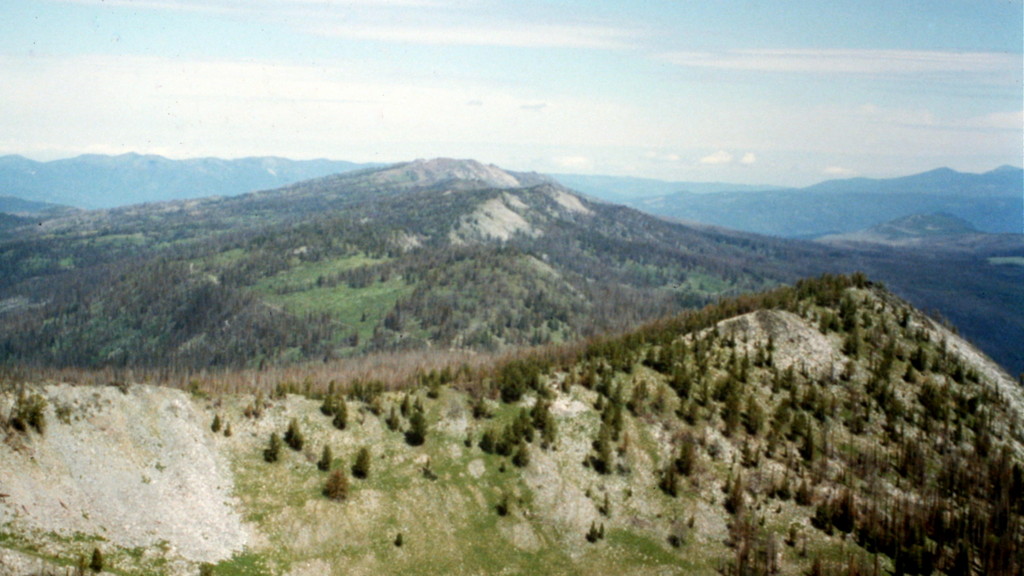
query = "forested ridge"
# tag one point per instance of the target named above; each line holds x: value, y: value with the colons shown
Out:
x: 437, y: 254
x: 351, y: 264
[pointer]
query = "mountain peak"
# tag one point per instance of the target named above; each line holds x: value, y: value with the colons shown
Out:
x: 1006, y: 169
x: 442, y: 170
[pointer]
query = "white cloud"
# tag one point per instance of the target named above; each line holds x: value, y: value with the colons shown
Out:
x: 253, y: 6
x: 866, y: 62
x: 424, y: 22
x: 509, y: 35
x: 748, y: 159
x: 664, y: 157
x: 838, y: 171
x: 720, y: 157
x: 232, y: 108
x: 573, y: 162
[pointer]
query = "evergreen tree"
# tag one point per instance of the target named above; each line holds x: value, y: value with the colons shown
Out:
x: 361, y: 468
x: 393, y: 421
x: 340, y: 420
x: 273, y: 450
x: 293, y: 436
x: 336, y: 487
x: 328, y: 406
x: 521, y: 458
x: 417, y: 432
x: 488, y: 441
x: 602, y: 460
x: 96, y: 563
x: 754, y: 416
x: 686, y: 462
x: 669, y: 482
x: 215, y: 426
x: 326, y: 457
x: 734, y: 499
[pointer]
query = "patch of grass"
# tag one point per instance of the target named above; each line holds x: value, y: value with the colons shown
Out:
x: 363, y: 308
x: 633, y: 549
x: 247, y: 564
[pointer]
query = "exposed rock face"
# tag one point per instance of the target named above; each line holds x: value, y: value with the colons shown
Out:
x: 796, y: 343
x: 441, y: 170
x: 138, y: 467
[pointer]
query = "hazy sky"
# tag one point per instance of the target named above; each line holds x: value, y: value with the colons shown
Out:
x: 778, y: 92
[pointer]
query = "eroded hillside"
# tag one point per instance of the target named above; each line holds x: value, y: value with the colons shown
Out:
x: 827, y: 428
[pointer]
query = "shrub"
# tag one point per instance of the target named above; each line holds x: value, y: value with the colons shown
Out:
x: 215, y: 426
x: 336, y: 487
x: 29, y: 412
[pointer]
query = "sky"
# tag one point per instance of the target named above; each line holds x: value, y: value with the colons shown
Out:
x: 783, y: 92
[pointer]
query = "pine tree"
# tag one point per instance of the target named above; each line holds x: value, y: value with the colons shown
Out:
x: 602, y: 460
x: 669, y: 482
x: 361, y: 468
x: 393, y: 421
x: 336, y: 487
x: 326, y: 457
x: 686, y: 463
x: 340, y: 420
x: 606, y: 506
x: 96, y: 564
x: 488, y: 441
x: 734, y: 499
x: 328, y: 406
x: 293, y: 436
x: 273, y: 450
x: 215, y: 426
x: 417, y: 432
x: 521, y: 458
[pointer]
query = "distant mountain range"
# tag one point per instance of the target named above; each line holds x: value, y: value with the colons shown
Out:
x: 991, y: 202
x: 628, y: 190
x: 98, y: 181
